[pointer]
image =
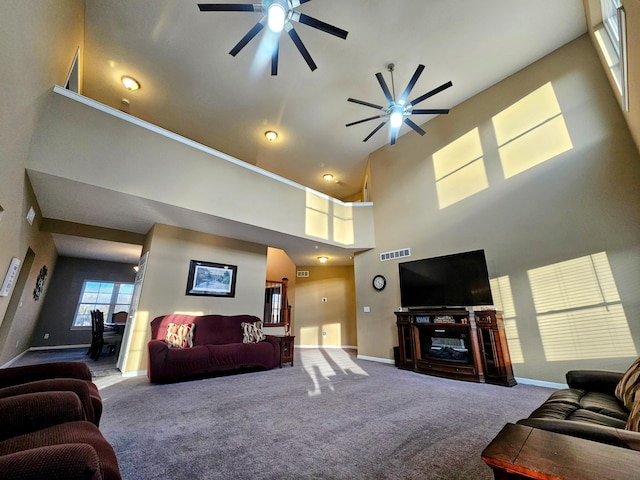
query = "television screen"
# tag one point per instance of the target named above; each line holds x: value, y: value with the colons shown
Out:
x: 458, y: 280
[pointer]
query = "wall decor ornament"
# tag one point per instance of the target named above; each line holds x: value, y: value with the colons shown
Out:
x: 42, y: 276
x: 211, y: 279
x: 10, y: 277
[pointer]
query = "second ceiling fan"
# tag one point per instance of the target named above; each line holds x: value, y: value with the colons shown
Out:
x: 397, y: 111
x: 277, y: 15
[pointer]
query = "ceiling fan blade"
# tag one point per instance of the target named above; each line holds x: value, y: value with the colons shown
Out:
x: 421, y: 98
x: 301, y: 48
x: 274, y: 58
x: 366, y: 104
x: 363, y: 120
x: 394, y: 135
x: 429, y: 111
x: 319, y: 24
x: 412, y: 82
x: 385, y: 88
x: 229, y: 7
x: 374, y: 131
x: 414, y: 126
x: 248, y: 37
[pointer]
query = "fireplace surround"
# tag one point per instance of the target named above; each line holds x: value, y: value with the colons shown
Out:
x: 455, y: 343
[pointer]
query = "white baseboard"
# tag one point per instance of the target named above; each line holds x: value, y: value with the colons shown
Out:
x: 138, y: 373
x: 345, y: 347
x: 8, y: 364
x: 541, y: 383
x: 376, y: 359
x: 59, y: 347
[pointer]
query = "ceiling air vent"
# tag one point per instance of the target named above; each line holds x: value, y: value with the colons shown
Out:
x: 402, y: 253
x: 302, y: 273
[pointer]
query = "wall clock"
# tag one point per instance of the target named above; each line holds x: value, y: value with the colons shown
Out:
x: 379, y: 282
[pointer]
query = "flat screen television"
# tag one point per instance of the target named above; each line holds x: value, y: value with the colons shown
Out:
x: 458, y: 280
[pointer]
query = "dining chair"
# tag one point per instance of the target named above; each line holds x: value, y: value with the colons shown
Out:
x: 101, y: 337
x: 92, y: 347
x: 119, y: 317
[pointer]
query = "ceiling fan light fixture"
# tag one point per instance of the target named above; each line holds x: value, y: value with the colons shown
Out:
x: 399, y: 110
x: 396, y: 118
x: 276, y: 16
x: 327, y: 177
x: 130, y: 83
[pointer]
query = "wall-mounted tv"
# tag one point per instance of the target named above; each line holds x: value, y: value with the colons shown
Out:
x: 458, y: 280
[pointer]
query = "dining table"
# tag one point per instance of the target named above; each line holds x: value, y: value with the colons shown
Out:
x: 117, y: 327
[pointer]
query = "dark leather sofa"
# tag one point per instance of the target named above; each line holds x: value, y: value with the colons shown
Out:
x: 217, y: 348
x: 588, y: 409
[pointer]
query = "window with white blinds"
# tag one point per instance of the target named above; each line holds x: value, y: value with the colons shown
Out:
x: 579, y: 312
x: 503, y: 300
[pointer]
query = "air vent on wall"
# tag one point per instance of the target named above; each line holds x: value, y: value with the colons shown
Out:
x: 402, y: 253
x: 302, y: 273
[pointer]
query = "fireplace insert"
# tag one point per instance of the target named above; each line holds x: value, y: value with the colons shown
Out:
x: 449, y: 345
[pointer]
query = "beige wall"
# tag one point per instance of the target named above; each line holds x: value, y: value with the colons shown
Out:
x: 632, y: 10
x: 581, y: 202
x: 336, y: 316
x: 170, y: 251
x: 38, y: 41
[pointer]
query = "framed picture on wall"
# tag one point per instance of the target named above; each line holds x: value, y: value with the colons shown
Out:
x: 211, y: 279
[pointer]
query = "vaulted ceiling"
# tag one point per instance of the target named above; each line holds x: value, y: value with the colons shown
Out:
x: 192, y: 86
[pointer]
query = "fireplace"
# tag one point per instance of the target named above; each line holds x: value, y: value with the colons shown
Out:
x: 455, y: 343
x: 449, y: 345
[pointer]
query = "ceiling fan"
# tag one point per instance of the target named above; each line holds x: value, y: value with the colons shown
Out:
x: 398, y: 111
x: 278, y: 15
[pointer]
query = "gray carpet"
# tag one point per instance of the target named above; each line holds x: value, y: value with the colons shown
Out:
x: 103, y: 367
x: 331, y: 416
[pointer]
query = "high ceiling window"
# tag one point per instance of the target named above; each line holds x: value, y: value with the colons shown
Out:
x: 611, y: 21
x: 611, y: 37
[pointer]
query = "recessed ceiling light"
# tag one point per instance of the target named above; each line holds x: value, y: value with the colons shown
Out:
x: 323, y: 259
x: 327, y: 177
x: 271, y: 135
x: 130, y: 83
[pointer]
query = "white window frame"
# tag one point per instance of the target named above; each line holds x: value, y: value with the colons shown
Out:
x: 110, y: 309
x: 614, y: 26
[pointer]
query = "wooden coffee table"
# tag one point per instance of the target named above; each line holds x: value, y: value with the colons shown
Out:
x: 520, y: 452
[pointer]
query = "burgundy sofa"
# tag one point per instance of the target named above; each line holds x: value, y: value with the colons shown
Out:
x: 217, y: 348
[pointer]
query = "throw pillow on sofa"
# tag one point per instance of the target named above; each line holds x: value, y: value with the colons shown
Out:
x: 633, y: 422
x: 180, y: 335
x: 629, y: 384
x: 252, y: 332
